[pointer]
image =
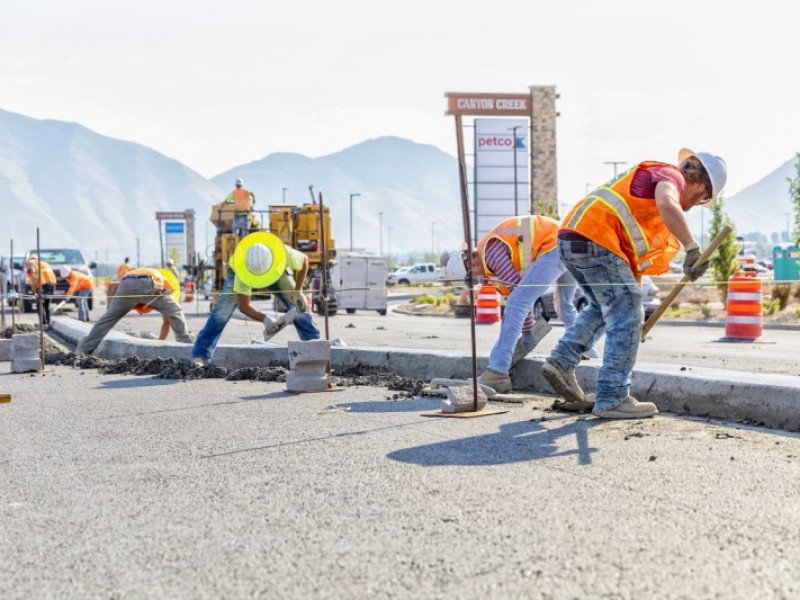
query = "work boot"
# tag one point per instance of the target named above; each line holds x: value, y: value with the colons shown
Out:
x: 630, y: 408
x: 565, y: 383
x: 497, y: 381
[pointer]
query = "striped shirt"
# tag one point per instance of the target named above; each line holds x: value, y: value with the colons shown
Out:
x: 498, y: 261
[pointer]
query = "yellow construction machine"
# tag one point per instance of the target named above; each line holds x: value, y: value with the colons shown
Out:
x: 296, y: 226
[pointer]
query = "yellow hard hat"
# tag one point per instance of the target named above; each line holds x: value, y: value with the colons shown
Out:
x: 260, y: 259
x: 173, y: 283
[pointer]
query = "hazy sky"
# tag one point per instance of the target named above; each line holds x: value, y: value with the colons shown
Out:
x: 216, y: 84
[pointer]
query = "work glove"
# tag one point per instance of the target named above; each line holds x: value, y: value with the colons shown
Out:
x: 300, y: 302
x: 529, y: 340
x: 271, y: 327
x: 692, y: 254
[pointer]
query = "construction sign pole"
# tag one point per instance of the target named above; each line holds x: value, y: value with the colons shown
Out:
x: 705, y: 256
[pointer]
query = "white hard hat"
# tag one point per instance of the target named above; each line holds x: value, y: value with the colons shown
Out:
x: 455, y: 269
x: 65, y: 271
x: 239, y: 182
x: 170, y: 262
x: 258, y: 259
x: 716, y: 168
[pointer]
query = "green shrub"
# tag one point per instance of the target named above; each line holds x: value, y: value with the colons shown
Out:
x: 780, y: 293
x: 770, y: 307
x: 705, y: 310
x: 424, y: 299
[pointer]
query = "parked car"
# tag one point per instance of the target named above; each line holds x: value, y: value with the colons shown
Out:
x: 12, y: 269
x: 420, y: 273
x: 60, y: 257
x: 545, y: 305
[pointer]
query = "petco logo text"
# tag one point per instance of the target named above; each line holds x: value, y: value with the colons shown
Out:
x: 493, y: 141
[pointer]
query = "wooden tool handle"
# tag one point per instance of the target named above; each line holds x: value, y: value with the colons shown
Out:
x: 724, y: 232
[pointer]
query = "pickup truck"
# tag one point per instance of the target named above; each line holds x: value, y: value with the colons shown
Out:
x: 419, y: 273
x: 59, y: 257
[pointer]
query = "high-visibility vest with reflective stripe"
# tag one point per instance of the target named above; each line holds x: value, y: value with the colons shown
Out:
x: 627, y: 225
x: 78, y: 282
x: 240, y: 198
x: 160, y: 286
x: 527, y: 237
x: 122, y: 269
x: 32, y: 268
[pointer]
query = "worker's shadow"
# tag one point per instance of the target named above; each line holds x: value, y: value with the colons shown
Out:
x: 513, y: 442
x: 422, y: 404
x: 132, y: 381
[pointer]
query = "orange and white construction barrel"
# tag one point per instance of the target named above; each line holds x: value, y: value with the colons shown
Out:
x: 487, y: 307
x: 188, y: 291
x: 744, y: 320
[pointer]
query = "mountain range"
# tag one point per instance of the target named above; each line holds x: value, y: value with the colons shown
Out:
x: 85, y: 190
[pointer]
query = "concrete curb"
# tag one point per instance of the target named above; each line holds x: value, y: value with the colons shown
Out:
x: 767, y: 399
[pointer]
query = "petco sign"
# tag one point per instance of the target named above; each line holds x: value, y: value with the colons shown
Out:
x: 506, y: 105
x: 501, y: 171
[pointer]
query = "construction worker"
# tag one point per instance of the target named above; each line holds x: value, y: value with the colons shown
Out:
x: 518, y: 256
x: 631, y: 226
x: 123, y: 268
x: 260, y: 260
x: 82, y: 285
x: 173, y: 269
x: 142, y: 290
x: 242, y: 201
x: 41, y: 274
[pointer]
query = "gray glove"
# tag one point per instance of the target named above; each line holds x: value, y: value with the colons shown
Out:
x: 271, y: 327
x: 692, y: 254
x: 300, y: 302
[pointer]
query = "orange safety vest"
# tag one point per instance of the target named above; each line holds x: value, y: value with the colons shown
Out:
x: 78, y: 282
x: 629, y: 226
x: 160, y: 284
x: 240, y: 198
x: 122, y: 269
x: 527, y: 238
x: 32, y: 268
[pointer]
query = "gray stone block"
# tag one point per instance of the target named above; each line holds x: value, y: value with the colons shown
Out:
x: 6, y: 349
x: 26, y: 341
x: 308, y: 366
x: 25, y: 365
x: 460, y: 399
x: 304, y: 382
x: 310, y: 351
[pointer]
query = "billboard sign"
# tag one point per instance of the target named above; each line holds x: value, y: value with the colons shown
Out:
x: 501, y: 172
x: 175, y: 239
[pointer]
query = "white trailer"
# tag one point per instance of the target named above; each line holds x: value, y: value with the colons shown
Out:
x: 362, y: 283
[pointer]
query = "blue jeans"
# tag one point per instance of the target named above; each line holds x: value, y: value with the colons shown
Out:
x: 615, y: 306
x: 240, y: 224
x: 209, y: 336
x: 83, y: 304
x: 535, y: 281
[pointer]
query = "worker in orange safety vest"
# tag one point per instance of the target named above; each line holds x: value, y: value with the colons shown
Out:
x: 41, y: 274
x: 123, y: 268
x: 80, y: 287
x: 242, y: 201
x: 142, y: 290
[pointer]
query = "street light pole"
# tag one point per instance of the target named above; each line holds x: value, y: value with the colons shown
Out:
x: 389, y: 247
x: 284, y: 194
x: 351, y: 219
x: 380, y: 233
x: 433, y: 229
x: 514, y: 149
x: 615, y: 163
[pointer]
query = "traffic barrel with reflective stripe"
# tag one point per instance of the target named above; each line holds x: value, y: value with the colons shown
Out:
x: 487, y: 308
x: 745, y: 306
x: 188, y: 291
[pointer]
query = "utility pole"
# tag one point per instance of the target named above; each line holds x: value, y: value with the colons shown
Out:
x: 433, y: 234
x: 615, y: 163
x: 138, y: 248
x: 514, y: 147
x: 389, y: 247
x: 284, y: 194
x: 380, y: 233
x: 351, y: 219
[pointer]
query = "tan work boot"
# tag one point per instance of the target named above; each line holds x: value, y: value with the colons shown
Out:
x: 630, y: 408
x: 497, y: 381
x: 565, y: 383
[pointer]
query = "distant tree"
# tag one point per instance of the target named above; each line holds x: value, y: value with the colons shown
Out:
x: 723, y: 261
x: 794, y: 194
x: 540, y: 207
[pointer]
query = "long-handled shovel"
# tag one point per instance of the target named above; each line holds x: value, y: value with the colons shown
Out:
x: 724, y: 232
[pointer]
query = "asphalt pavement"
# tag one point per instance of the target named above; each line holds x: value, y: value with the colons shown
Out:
x: 118, y: 486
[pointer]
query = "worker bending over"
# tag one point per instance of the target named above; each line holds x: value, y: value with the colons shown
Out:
x: 80, y: 287
x: 260, y: 260
x: 631, y: 226
x: 519, y: 257
x: 242, y: 201
x: 142, y: 290
x: 42, y: 278
x: 123, y: 268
